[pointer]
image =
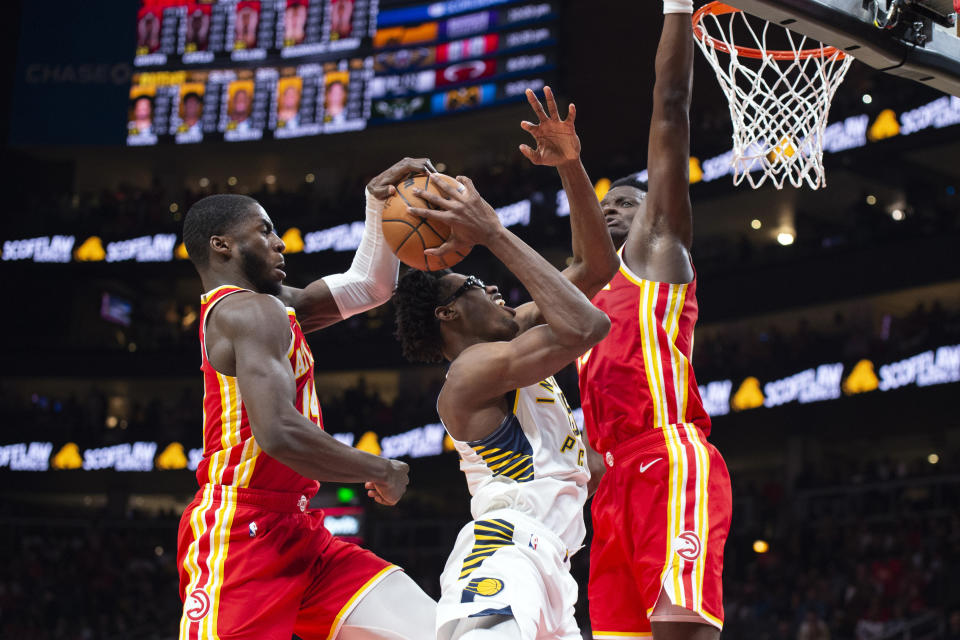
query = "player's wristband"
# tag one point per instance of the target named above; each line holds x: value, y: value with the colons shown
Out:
x: 677, y: 6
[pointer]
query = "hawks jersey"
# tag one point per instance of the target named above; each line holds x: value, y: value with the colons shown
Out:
x: 535, y: 463
x: 640, y: 377
x: 231, y: 455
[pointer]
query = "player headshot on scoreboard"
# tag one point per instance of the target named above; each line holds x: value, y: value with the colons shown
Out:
x: 240, y: 105
x: 140, y: 122
x: 245, y: 25
x: 198, y: 27
x: 341, y: 18
x: 289, y: 91
x: 148, y: 30
x: 335, y: 98
x: 294, y: 22
x: 191, y: 108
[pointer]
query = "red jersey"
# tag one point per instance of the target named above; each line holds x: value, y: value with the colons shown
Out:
x: 639, y: 377
x: 231, y: 455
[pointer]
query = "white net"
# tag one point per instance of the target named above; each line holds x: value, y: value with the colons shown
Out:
x: 779, y: 99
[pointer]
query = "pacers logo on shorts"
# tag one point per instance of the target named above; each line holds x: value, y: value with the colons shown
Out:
x: 687, y: 545
x: 481, y: 587
x: 198, y: 605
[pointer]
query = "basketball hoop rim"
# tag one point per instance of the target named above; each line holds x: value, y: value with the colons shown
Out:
x: 717, y: 8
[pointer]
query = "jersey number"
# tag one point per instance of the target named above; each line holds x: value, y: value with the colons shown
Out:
x: 311, y: 405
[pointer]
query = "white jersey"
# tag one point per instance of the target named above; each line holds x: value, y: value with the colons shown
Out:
x: 534, y: 463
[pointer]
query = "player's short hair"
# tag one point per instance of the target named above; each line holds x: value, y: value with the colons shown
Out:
x: 415, y: 299
x: 630, y: 181
x: 212, y: 216
x: 192, y: 94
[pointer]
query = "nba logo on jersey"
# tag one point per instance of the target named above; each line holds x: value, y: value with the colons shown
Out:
x: 534, y: 541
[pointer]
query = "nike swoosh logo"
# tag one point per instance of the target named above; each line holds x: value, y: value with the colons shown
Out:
x: 644, y: 467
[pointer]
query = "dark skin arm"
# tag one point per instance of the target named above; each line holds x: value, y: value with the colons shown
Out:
x: 597, y: 468
x: 314, y: 303
x: 471, y: 402
x: 595, y: 259
x: 658, y: 243
x: 248, y: 336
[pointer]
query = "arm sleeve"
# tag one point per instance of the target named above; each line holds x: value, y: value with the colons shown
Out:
x: 372, y: 277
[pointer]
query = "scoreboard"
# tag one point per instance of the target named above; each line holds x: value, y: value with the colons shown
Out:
x: 239, y: 70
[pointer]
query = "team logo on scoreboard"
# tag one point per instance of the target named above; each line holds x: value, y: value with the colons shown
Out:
x: 687, y: 545
x: 466, y: 71
x: 198, y: 605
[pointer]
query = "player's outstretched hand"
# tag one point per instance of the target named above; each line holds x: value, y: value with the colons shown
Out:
x: 557, y: 141
x: 382, y: 185
x: 392, y: 489
x: 471, y: 218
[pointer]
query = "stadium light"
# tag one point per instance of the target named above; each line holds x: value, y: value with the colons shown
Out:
x: 871, y: 199
x: 933, y: 458
x: 897, y: 214
x: 760, y: 546
x: 867, y: 98
x: 755, y: 224
x: 785, y: 238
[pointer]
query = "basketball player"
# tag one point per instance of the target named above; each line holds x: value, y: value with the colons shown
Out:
x: 254, y: 561
x: 524, y: 456
x: 662, y: 511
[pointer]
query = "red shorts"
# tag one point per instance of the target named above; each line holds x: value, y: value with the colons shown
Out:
x: 660, y: 519
x: 258, y: 564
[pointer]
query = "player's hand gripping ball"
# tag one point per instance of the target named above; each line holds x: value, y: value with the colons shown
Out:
x: 408, y: 235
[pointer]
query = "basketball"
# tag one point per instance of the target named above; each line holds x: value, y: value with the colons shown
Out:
x: 408, y: 235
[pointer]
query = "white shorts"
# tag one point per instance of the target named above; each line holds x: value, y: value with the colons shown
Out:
x: 509, y: 564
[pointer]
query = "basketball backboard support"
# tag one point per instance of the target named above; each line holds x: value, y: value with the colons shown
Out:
x: 922, y: 43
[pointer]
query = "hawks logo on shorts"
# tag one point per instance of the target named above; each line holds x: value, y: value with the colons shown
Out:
x: 687, y: 546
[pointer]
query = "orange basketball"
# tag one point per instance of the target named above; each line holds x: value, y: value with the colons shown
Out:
x: 407, y: 234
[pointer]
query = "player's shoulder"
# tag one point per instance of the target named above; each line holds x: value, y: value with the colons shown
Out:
x: 478, y: 359
x: 247, y: 311
x: 474, y: 371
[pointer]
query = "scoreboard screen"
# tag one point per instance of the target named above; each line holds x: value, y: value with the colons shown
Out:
x: 239, y: 70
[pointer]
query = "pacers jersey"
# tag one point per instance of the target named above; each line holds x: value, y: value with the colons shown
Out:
x: 231, y: 455
x: 639, y: 378
x: 535, y: 463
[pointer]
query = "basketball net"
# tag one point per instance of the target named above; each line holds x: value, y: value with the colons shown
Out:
x: 779, y: 99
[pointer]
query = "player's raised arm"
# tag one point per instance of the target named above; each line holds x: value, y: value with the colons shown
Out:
x: 658, y: 243
x: 371, y: 278
x: 484, y: 372
x: 594, y: 257
x: 258, y: 329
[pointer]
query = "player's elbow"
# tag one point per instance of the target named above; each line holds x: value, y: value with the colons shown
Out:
x: 609, y: 269
x: 276, y: 437
x: 599, y: 327
x: 595, y: 328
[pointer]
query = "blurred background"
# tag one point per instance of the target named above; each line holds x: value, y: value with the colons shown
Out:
x: 828, y: 346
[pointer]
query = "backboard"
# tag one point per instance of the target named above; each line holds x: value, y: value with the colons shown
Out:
x: 918, y: 39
